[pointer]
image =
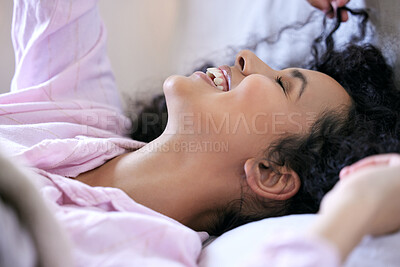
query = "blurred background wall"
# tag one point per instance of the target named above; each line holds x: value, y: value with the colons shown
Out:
x: 6, y: 51
x: 127, y: 39
x: 150, y: 40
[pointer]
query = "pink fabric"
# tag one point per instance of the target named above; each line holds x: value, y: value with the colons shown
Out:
x: 63, y: 117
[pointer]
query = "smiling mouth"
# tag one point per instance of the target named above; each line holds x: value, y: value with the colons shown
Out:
x: 219, y: 79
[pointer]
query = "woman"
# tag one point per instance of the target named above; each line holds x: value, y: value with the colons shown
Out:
x: 62, y: 118
x: 300, y: 141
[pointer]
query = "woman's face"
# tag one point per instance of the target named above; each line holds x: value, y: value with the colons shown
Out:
x: 257, y: 105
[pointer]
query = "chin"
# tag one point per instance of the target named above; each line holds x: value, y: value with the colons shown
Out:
x: 176, y: 94
x: 178, y: 91
x: 176, y: 85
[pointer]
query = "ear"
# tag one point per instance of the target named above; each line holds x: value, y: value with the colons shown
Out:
x: 268, y: 184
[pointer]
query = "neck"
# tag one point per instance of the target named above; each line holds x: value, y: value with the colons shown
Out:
x: 166, y: 176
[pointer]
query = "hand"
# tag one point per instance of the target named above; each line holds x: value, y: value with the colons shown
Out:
x: 365, y: 201
x: 329, y: 7
x: 378, y: 178
x: 384, y: 160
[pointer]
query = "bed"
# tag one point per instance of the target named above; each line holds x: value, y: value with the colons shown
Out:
x: 183, y: 44
x: 187, y: 49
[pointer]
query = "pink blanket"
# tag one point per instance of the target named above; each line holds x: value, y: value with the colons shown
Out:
x: 63, y: 117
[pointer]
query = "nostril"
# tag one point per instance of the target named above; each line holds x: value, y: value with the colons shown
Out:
x: 241, y: 63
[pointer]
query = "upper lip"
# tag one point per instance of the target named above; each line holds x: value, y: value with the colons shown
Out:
x: 226, y: 70
x: 205, y: 76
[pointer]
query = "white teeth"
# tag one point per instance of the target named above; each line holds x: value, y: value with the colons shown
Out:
x: 214, y: 71
x: 216, y: 75
x: 218, y: 81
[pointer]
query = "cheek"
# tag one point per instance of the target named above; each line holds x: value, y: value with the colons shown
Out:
x: 258, y: 93
x: 267, y: 110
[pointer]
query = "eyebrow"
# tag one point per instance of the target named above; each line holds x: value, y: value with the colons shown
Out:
x: 297, y: 74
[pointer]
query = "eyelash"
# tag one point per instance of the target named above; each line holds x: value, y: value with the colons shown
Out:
x: 278, y: 80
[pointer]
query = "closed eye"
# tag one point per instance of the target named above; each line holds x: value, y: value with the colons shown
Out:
x: 278, y: 80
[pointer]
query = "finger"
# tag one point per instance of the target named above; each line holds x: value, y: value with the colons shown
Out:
x: 366, y: 162
x: 338, y: 4
x: 345, y: 15
x: 394, y: 160
x: 344, y: 172
x: 330, y: 14
x: 384, y: 159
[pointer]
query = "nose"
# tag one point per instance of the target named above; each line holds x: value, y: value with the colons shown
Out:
x: 248, y: 63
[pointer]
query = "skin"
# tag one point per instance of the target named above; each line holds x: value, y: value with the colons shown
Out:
x: 191, y: 186
x: 364, y: 202
x: 329, y: 7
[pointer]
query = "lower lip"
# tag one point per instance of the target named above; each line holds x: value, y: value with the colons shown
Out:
x: 205, y: 77
x: 226, y: 70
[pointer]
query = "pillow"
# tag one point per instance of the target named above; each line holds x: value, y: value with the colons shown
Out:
x: 239, y: 243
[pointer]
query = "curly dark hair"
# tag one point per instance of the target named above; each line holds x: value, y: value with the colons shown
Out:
x: 335, y: 141
x: 337, y: 138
